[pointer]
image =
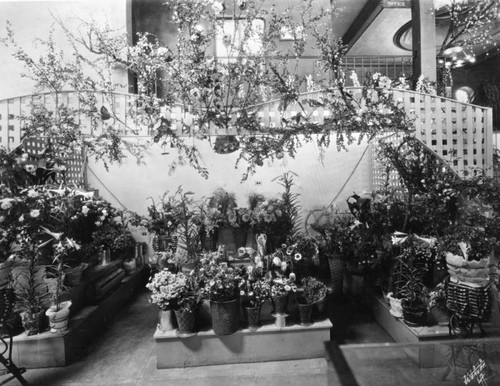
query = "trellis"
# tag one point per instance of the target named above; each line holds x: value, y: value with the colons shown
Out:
x: 459, y: 133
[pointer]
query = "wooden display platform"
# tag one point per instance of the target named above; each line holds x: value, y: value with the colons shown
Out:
x: 425, y: 356
x: 54, y: 350
x: 268, y: 343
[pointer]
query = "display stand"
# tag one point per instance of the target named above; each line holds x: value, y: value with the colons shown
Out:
x: 268, y: 343
x: 55, y: 350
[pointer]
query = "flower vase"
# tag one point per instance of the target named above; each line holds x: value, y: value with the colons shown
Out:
x: 305, y: 313
x: 33, y: 323
x: 185, y: 321
x: 225, y: 316
x: 166, y: 321
x: 280, y: 304
x: 59, y: 318
x: 253, y: 316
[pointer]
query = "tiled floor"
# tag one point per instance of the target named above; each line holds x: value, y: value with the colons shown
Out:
x: 125, y: 355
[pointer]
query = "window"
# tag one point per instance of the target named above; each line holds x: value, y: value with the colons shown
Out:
x: 232, y: 38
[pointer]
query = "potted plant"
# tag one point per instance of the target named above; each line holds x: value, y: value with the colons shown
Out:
x: 255, y: 290
x: 315, y: 292
x: 467, y: 251
x: 163, y: 220
x: 412, y: 292
x: 219, y: 283
x: 174, y: 292
x: 281, y: 288
x: 220, y: 218
x: 336, y: 240
x: 58, y: 312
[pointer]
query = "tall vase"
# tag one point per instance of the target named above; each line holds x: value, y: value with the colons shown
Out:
x: 305, y: 313
x: 59, y: 318
x: 225, y: 317
x: 185, y: 321
x: 253, y: 316
x: 166, y: 321
x: 280, y: 304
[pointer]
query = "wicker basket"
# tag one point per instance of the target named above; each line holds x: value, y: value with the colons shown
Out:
x: 468, y: 301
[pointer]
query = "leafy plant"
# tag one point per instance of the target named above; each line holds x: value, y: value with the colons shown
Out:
x: 314, y: 289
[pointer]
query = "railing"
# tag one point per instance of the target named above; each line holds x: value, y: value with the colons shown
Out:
x: 459, y: 133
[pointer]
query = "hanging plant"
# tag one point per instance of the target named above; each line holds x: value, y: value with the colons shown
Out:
x: 226, y: 144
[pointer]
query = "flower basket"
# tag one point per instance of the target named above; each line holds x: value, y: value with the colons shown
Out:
x: 469, y: 301
x: 186, y: 318
x: 226, y: 144
x: 225, y: 316
x: 58, y: 319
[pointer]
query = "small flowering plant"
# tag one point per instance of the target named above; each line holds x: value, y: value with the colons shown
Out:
x: 256, y: 291
x: 218, y: 280
x: 281, y: 263
x: 283, y: 286
x: 171, y: 291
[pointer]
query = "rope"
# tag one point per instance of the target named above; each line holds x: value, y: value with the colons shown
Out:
x: 339, y: 192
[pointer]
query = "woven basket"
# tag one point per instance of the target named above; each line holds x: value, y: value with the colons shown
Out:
x: 468, y: 301
x: 225, y: 317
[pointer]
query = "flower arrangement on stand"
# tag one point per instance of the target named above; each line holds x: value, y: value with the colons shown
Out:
x: 281, y: 288
x: 316, y: 293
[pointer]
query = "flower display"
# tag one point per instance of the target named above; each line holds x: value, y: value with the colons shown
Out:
x: 218, y: 280
x: 282, y: 286
x: 171, y: 291
x: 256, y: 292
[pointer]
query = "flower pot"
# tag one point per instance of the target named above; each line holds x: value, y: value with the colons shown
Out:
x: 396, y: 307
x: 225, y: 316
x: 305, y: 313
x: 166, y: 320
x: 5, y: 269
x: 58, y: 319
x: 33, y: 323
x: 337, y: 268
x: 185, y: 321
x: 415, y: 317
x: 280, y: 304
x: 253, y: 316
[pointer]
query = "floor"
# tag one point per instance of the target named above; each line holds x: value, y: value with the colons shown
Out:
x: 125, y: 355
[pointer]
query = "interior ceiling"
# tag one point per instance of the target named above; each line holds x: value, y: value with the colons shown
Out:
x: 368, y: 27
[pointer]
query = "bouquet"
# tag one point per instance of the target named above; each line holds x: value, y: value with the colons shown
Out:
x: 171, y: 291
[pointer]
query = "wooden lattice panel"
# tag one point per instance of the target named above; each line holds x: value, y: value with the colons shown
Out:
x: 457, y: 132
